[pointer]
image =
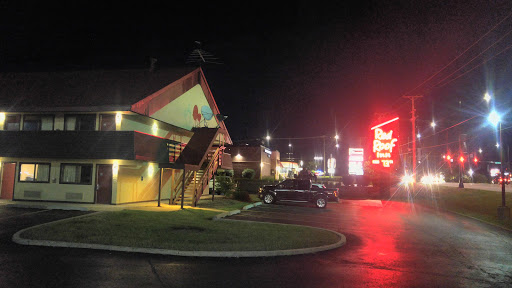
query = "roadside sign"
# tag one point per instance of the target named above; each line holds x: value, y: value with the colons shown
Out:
x: 355, y: 161
x: 385, y: 138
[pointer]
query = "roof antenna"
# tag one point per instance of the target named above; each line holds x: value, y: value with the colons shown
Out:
x: 199, y: 56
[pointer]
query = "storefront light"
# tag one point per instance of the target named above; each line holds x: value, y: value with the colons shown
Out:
x: 2, y: 117
x: 151, y: 170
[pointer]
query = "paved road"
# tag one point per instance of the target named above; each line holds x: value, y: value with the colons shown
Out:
x: 387, y: 246
x: 482, y: 186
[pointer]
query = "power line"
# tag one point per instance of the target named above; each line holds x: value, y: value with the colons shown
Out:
x: 473, y: 58
x: 448, y: 82
x: 467, y: 49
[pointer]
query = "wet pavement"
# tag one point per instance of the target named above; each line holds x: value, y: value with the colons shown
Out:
x: 389, y: 244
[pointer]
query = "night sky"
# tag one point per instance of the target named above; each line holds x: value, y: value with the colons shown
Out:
x: 294, y: 70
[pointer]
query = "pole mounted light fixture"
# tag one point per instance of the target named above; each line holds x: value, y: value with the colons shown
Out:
x: 487, y: 97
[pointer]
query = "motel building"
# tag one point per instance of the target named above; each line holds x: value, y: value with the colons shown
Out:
x: 109, y: 137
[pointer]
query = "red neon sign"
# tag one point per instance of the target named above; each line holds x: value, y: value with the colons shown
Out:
x: 383, y: 143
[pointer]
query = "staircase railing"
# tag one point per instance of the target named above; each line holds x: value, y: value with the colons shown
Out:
x: 208, y: 173
x: 175, y: 150
x: 177, y: 186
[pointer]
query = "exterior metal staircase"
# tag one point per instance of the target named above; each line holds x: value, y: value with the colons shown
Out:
x: 196, y: 182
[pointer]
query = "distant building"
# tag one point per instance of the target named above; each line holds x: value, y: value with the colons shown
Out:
x: 254, y: 156
x: 289, y: 169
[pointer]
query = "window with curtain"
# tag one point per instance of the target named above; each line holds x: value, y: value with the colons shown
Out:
x: 34, y: 172
x: 76, y: 174
x: 37, y: 122
x: 12, y: 123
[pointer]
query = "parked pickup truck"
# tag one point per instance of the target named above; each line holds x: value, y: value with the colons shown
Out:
x: 297, y: 190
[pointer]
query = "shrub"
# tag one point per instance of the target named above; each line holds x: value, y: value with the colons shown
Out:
x: 363, y: 180
x: 480, y: 178
x: 224, y: 185
x: 348, y: 180
x: 268, y: 178
x: 248, y: 173
x: 241, y: 196
x: 253, y: 185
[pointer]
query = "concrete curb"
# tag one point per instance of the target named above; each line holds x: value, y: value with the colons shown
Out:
x: 218, y: 254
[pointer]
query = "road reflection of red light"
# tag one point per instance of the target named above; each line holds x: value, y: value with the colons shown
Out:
x: 379, y: 249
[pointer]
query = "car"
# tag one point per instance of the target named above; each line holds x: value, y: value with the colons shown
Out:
x: 295, y: 190
x: 333, y: 194
x: 498, y: 179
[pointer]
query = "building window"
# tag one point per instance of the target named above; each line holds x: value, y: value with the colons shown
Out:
x: 12, y: 123
x: 34, y: 172
x: 38, y: 122
x: 107, y: 122
x: 76, y: 174
x: 83, y: 122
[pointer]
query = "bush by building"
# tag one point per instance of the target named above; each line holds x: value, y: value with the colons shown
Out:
x: 248, y: 173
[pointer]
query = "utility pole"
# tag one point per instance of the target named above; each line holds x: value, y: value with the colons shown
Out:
x: 413, y: 121
x: 324, y: 155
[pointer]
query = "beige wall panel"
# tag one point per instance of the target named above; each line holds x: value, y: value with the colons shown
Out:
x: 137, y: 184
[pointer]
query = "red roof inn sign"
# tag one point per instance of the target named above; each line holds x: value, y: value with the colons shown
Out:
x: 384, y: 143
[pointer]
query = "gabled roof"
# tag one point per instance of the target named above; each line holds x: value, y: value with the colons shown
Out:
x: 94, y: 90
x: 139, y: 90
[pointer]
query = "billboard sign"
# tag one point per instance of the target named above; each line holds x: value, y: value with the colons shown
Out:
x: 384, y: 145
x: 355, y: 161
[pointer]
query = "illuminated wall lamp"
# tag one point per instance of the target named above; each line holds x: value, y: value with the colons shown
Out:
x: 119, y: 118
x: 151, y: 170
x: 115, y: 169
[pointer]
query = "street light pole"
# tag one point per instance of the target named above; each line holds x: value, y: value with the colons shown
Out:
x: 502, y: 173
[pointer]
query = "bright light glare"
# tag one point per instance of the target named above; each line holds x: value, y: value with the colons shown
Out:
x: 487, y: 97
x: 433, y: 124
x: 494, y: 118
x: 480, y: 151
x: 268, y: 137
x: 497, y: 145
x: 336, y: 137
x: 419, y: 135
x: 470, y: 172
x: 407, y: 180
x: 432, y: 179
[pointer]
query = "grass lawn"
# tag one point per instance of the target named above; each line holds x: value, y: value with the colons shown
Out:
x: 188, y: 229
x: 480, y: 204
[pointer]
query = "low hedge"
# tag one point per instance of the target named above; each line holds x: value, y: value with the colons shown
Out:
x: 253, y: 185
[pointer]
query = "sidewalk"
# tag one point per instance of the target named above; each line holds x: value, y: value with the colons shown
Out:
x: 147, y: 206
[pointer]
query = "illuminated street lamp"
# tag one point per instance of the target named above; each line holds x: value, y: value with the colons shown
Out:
x: 433, y: 124
x: 480, y: 150
x: 503, y: 210
x: 487, y: 97
x: 268, y: 137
